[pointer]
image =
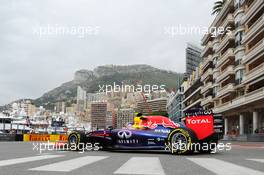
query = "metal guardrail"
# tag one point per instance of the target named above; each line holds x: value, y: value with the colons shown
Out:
x: 11, y: 137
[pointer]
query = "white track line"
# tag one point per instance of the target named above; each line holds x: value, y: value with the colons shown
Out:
x: 69, y: 165
x: 223, y: 168
x: 257, y: 160
x: 27, y: 159
x: 141, y: 165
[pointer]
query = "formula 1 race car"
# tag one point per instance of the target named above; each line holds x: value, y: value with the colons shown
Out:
x: 158, y: 132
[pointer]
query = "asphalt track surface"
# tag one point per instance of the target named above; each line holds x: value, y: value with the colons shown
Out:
x: 19, y: 158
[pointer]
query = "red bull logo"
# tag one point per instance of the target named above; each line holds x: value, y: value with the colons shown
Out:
x: 153, y: 121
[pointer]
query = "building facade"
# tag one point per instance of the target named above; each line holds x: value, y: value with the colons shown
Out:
x: 124, y: 116
x: 192, y: 97
x: 193, y: 58
x: 81, y: 99
x: 60, y: 107
x: 155, y: 106
x: 174, y: 105
x: 98, y: 115
x: 233, y: 67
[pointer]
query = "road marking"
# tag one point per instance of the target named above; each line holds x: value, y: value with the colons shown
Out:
x: 141, y: 165
x: 257, y: 160
x: 223, y: 168
x: 69, y: 165
x: 27, y: 159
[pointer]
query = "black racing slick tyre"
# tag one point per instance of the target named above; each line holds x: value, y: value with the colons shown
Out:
x: 180, y: 141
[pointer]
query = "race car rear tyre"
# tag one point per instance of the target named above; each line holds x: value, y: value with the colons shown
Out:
x: 180, y: 141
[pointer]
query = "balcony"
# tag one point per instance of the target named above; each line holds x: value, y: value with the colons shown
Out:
x: 254, y: 73
x: 225, y: 90
x: 229, y: 53
x: 224, y: 10
x: 239, y: 67
x: 206, y: 74
x: 216, y: 70
x: 215, y: 74
x: 228, y: 71
x: 207, y: 48
x: 197, y: 102
x: 218, y: 18
x: 253, y: 9
x: 206, y: 61
x: 239, y: 10
x: 253, y: 52
x: 239, y: 48
x: 216, y: 43
x: 229, y: 20
x: 207, y: 100
x: 238, y: 81
x: 206, y: 87
x: 225, y: 40
x: 256, y: 28
x: 244, y: 100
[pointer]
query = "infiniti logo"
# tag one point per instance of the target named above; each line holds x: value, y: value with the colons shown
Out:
x: 124, y: 134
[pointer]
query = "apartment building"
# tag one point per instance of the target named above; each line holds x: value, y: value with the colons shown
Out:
x: 193, y: 58
x: 98, y: 115
x: 174, y: 104
x: 81, y: 99
x: 192, y: 91
x: 156, y: 105
x: 233, y: 67
x: 124, y: 116
x: 60, y: 106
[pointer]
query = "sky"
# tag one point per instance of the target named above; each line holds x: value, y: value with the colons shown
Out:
x: 42, y: 43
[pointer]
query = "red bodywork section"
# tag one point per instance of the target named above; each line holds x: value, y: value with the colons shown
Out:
x: 202, y: 126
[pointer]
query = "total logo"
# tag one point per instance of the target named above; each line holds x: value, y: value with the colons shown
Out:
x: 124, y: 134
x: 198, y: 121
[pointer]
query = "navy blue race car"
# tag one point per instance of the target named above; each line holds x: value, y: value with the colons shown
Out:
x: 157, y: 132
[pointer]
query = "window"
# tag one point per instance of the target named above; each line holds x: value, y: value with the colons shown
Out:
x: 239, y: 76
x: 238, y: 39
x: 215, y: 61
x: 238, y: 19
x: 238, y: 3
x: 215, y: 89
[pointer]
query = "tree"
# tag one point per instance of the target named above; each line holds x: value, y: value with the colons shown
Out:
x: 218, y: 5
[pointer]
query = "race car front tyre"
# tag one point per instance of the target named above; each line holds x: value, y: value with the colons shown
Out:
x: 180, y: 141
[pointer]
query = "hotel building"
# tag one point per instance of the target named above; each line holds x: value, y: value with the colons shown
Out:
x: 233, y: 67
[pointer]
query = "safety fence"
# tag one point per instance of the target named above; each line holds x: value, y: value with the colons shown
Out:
x: 33, y: 137
x: 45, y: 137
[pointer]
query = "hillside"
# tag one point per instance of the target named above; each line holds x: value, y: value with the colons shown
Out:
x: 105, y: 75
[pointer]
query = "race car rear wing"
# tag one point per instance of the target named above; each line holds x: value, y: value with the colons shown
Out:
x: 204, y: 123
